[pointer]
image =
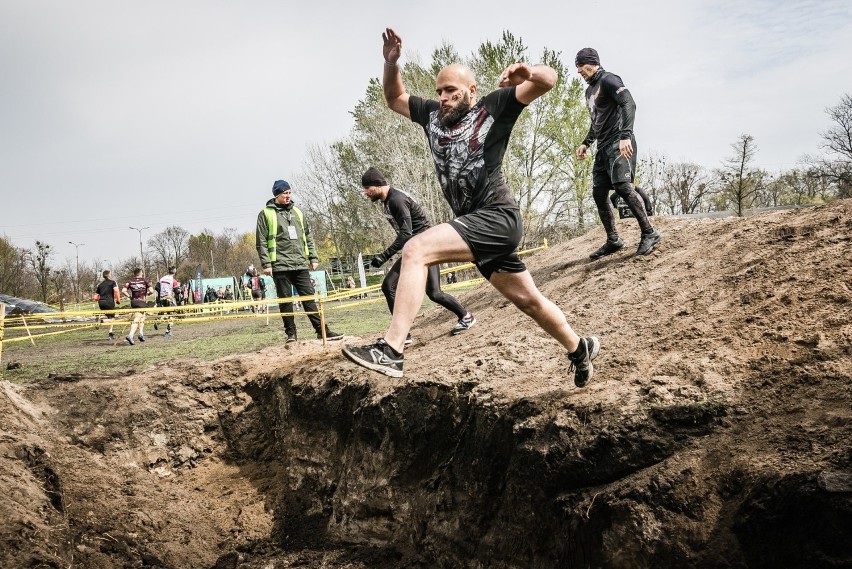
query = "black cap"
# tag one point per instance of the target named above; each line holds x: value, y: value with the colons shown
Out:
x: 279, y: 187
x: 372, y: 177
x: 587, y: 55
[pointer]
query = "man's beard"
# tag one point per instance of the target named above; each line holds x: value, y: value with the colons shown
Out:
x: 454, y: 115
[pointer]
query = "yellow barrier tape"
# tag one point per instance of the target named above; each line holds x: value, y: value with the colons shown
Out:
x: 193, y: 313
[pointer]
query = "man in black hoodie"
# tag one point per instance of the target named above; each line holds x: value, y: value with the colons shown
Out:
x: 613, y: 110
x: 287, y: 254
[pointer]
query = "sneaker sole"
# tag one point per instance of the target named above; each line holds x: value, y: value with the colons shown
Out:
x: 331, y: 338
x: 370, y: 365
x: 651, y: 248
x: 596, y: 256
x: 593, y: 353
x: 456, y: 332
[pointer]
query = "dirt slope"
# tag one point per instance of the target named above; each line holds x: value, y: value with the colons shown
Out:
x: 716, y: 432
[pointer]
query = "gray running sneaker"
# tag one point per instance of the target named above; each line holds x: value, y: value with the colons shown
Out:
x: 647, y: 242
x: 129, y: 339
x: 582, y: 365
x: 607, y: 248
x: 464, y: 324
x: 378, y: 357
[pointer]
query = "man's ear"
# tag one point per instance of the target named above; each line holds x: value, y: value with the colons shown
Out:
x: 473, y: 91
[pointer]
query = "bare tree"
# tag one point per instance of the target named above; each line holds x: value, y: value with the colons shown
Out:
x: 684, y: 188
x: 170, y: 246
x: 740, y: 184
x: 39, y: 259
x: 835, y: 165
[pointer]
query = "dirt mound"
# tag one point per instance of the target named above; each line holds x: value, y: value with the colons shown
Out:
x: 718, y: 421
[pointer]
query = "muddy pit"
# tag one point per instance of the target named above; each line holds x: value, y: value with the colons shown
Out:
x: 717, y: 431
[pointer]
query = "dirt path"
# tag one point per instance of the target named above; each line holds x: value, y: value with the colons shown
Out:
x: 726, y: 360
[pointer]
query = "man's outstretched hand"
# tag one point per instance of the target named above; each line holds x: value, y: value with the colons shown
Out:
x: 392, y: 48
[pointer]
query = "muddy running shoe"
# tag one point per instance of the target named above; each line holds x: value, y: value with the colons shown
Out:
x: 329, y: 335
x: 129, y: 339
x: 169, y: 334
x: 646, y: 244
x: 607, y: 248
x: 464, y: 324
x: 291, y: 337
x: 378, y: 357
x: 408, y: 340
x: 141, y: 338
x: 111, y: 336
x: 581, y: 364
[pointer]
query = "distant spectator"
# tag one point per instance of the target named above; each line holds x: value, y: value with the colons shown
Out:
x: 257, y: 287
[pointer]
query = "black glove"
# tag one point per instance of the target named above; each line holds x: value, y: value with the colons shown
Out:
x: 377, y: 261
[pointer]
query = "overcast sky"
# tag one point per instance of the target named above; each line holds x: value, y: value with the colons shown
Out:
x: 148, y: 114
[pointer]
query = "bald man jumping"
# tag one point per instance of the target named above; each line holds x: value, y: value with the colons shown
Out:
x: 468, y: 139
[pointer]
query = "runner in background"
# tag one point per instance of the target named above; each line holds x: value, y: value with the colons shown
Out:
x: 137, y: 290
x: 108, y: 297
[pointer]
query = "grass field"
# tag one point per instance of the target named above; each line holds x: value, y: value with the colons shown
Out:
x: 88, y: 351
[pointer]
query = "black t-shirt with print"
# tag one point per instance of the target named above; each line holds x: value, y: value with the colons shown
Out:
x: 468, y: 155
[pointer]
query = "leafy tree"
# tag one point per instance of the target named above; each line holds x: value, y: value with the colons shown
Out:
x: 201, y: 251
x: 798, y: 186
x: 13, y: 273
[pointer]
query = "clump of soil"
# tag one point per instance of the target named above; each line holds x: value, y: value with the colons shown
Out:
x: 715, y: 433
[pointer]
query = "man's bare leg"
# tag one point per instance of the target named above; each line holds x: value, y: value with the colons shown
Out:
x: 438, y: 244
x: 521, y: 290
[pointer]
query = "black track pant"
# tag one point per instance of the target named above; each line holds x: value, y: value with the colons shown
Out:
x: 433, y: 290
x: 300, y: 279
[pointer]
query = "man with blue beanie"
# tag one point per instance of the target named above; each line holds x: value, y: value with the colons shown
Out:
x: 287, y: 254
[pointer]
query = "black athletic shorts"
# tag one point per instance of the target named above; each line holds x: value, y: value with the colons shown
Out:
x: 493, y: 234
x: 138, y: 303
x: 105, y: 306
x: 611, y: 167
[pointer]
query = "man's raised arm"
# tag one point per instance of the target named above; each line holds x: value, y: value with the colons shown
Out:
x: 395, y: 95
x: 532, y: 81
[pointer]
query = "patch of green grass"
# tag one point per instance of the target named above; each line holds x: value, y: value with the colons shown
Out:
x: 88, y: 351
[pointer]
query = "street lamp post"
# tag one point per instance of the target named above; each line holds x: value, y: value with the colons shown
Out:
x: 77, y: 269
x: 141, y: 258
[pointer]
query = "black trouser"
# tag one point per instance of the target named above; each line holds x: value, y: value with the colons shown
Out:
x: 622, y: 213
x: 433, y: 290
x: 612, y: 171
x: 300, y: 279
